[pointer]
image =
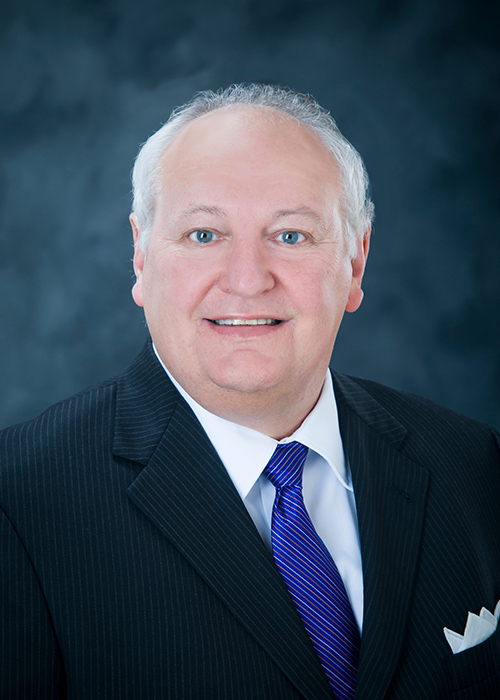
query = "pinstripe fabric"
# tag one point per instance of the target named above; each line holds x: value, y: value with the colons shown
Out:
x: 310, y: 573
x: 130, y: 569
x: 427, y: 491
x: 135, y: 571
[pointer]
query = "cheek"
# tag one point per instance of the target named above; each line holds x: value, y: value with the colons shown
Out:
x: 174, y: 287
x: 323, y: 291
x: 158, y: 289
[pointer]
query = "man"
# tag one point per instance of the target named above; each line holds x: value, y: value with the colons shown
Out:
x: 149, y: 548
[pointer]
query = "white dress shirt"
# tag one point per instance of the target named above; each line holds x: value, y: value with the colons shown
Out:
x: 327, y: 487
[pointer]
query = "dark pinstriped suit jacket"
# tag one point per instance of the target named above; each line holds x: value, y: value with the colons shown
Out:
x: 131, y: 569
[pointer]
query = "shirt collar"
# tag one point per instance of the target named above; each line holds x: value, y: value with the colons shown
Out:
x: 245, y: 452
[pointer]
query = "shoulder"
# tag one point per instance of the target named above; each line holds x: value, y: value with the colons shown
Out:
x: 85, y: 417
x: 428, y: 425
x: 61, y: 427
x: 80, y: 433
x: 402, y: 434
x: 52, y: 464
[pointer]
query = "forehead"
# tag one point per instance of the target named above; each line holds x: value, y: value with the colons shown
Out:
x: 255, y: 138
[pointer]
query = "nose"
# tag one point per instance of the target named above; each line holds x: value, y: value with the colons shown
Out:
x: 247, y: 268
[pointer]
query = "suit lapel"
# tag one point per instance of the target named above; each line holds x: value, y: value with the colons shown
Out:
x: 185, y: 490
x: 390, y: 493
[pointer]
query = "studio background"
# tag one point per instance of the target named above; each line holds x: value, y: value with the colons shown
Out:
x: 413, y: 85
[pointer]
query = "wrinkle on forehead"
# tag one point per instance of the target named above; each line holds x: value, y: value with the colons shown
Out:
x: 232, y: 123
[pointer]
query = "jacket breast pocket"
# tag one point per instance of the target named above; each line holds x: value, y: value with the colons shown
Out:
x: 475, y: 672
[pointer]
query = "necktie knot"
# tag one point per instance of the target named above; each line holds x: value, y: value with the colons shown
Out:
x: 286, y: 465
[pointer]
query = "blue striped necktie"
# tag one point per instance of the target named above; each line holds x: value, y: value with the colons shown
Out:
x: 310, y: 573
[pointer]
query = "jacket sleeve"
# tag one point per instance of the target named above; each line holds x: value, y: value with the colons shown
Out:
x: 30, y: 659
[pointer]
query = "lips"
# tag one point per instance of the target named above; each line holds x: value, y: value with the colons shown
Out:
x: 245, y: 322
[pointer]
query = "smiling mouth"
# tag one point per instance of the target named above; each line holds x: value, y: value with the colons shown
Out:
x: 245, y: 322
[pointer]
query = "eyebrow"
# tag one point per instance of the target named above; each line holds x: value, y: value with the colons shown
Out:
x: 297, y: 211
x: 279, y: 214
x: 202, y: 209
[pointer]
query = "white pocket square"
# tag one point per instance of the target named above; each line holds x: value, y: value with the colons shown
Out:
x: 477, y: 630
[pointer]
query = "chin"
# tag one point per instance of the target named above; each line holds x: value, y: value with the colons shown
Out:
x: 246, y: 380
x: 245, y: 385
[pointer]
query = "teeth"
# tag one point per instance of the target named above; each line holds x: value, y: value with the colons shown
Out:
x: 243, y: 322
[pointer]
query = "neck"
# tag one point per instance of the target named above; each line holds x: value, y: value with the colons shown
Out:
x: 276, y: 417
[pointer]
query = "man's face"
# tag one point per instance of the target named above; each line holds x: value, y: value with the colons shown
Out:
x: 246, y: 276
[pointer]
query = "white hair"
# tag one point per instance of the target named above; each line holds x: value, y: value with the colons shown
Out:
x: 358, y: 209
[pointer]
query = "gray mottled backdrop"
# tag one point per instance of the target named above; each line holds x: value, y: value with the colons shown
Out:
x: 415, y: 87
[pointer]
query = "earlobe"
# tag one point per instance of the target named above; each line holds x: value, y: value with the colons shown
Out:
x: 358, y: 264
x: 356, y: 295
x: 138, y: 264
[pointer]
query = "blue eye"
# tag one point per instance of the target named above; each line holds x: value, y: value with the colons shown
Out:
x: 291, y: 237
x: 202, y: 236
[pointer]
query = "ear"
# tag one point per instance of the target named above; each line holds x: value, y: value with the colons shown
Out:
x: 358, y: 268
x: 138, y: 263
